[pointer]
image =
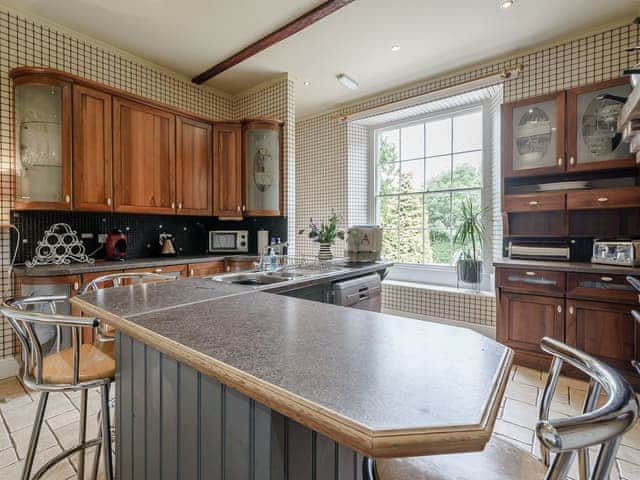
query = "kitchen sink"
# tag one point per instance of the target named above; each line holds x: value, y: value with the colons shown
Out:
x: 252, y: 278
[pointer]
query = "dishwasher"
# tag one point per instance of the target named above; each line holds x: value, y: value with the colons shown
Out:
x: 364, y: 292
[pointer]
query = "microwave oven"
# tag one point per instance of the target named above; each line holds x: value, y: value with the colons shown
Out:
x: 229, y: 241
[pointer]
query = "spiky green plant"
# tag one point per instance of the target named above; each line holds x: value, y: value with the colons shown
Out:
x: 470, y: 231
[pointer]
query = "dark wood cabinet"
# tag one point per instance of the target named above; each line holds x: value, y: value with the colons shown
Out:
x: 92, y: 150
x: 227, y: 169
x: 144, y: 158
x: 535, y: 202
x: 193, y: 167
x: 524, y: 319
x: 620, y: 197
x: 605, y: 330
x: 206, y: 268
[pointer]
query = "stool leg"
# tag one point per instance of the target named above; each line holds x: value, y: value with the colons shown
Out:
x: 106, y: 432
x: 82, y: 436
x: 96, y: 457
x: 35, y: 435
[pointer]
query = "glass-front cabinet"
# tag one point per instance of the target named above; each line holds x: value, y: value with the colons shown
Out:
x: 42, y: 143
x: 593, y: 141
x: 262, y: 167
x: 533, y: 139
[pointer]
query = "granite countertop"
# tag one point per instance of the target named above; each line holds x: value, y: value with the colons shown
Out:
x: 381, y: 384
x: 579, y: 267
x: 105, y: 265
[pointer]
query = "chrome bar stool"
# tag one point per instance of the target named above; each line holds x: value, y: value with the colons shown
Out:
x: 102, y: 332
x: 560, y: 439
x: 76, y: 368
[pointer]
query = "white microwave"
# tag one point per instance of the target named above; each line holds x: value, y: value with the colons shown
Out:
x: 229, y: 241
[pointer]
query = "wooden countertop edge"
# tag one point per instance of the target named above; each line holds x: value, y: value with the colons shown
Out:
x: 375, y: 444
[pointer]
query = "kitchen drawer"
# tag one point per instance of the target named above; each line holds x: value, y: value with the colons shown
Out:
x: 177, y: 271
x: 608, y: 288
x: 531, y: 281
x: 206, y: 268
x: 87, y: 277
x: 621, y: 197
x: 535, y: 202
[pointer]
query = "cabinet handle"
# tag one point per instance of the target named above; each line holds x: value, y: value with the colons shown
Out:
x: 559, y: 308
x: 244, y: 208
x: 173, y: 204
x: 533, y: 203
x: 572, y: 160
x: 180, y: 206
x: 158, y: 270
x: 238, y: 207
x: 67, y: 198
x: 559, y: 161
x: 191, y: 272
x: 606, y: 279
x: 571, y: 310
x: 108, y: 202
x: 76, y: 286
x: 603, y: 199
x: 531, y: 274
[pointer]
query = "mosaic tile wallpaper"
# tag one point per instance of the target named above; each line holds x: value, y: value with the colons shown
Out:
x: 25, y: 41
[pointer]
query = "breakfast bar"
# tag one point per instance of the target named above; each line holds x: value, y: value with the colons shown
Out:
x: 232, y: 382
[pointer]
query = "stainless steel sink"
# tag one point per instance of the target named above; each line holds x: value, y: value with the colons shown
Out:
x: 252, y: 278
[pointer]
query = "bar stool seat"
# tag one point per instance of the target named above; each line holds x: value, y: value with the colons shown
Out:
x: 96, y: 362
x: 500, y: 460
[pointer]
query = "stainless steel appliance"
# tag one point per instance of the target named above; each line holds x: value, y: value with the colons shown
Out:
x: 229, y: 241
x: 538, y: 252
x: 625, y: 253
x: 364, y: 293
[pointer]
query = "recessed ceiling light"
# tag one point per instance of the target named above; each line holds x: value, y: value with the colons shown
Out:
x: 395, y: 48
x: 307, y: 83
x: 347, y: 81
x: 507, y: 3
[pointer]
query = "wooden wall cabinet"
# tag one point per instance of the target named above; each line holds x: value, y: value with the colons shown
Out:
x: 144, y: 158
x: 193, y: 167
x: 227, y: 170
x: 43, y: 135
x: 92, y: 150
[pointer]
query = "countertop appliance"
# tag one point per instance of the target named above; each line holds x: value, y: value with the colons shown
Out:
x: 624, y: 253
x: 116, y: 245
x: 529, y: 251
x: 364, y: 293
x: 229, y: 241
x: 364, y: 243
x: 167, y: 245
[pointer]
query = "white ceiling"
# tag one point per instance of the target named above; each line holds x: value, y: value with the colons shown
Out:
x: 435, y: 36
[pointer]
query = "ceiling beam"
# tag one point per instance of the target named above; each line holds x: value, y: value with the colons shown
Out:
x: 291, y: 28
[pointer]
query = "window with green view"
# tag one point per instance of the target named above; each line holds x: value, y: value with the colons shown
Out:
x: 424, y: 171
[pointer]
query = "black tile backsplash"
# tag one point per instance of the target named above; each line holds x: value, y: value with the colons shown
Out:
x: 191, y: 233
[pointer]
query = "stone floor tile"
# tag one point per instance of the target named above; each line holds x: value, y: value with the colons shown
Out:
x: 521, y: 445
x: 21, y: 438
x: 7, y: 457
x: 18, y: 417
x: 628, y: 471
x: 516, y: 432
x: 12, y: 393
x: 632, y: 437
x: 93, y: 401
x: 64, y: 419
x: 523, y: 392
x: 61, y: 471
x: 67, y: 435
x: 629, y: 454
x: 520, y: 413
x: 528, y: 376
x: 5, y: 441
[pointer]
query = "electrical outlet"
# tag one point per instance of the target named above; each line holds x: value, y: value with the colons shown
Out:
x: 102, y: 238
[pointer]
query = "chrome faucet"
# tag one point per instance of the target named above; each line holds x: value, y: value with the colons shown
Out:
x: 278, y: 250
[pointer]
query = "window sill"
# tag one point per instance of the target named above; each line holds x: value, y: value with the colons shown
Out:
x: 439, y: 288
x: 436, y: 276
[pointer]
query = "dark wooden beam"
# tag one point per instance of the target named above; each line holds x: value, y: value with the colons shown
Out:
x: 291, y: 28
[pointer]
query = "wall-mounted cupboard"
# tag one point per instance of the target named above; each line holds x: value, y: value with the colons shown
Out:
x: 567, y: 131
x: 85, y: 146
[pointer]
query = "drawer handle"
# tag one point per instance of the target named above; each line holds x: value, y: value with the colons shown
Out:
x: 76, y: 285
x: 603, y: 199
x: 191, y: 273
x: 173, y: 204
x: 572, y: 160
x: 606, y: 279
x: 531, y: 274
x: 533, y: 203
x: 158, y: 270
x: 559, y: 308
x: 238, y: 207
x: 571, y: 310
x: 67, y: 198
x: 180, y: 206
x: 108, y: 202
x: 560, y: 161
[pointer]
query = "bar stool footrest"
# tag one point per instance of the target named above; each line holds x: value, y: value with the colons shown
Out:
x: 63, y: 455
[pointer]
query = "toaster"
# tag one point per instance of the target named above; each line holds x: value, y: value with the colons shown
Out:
x: 625, y: 253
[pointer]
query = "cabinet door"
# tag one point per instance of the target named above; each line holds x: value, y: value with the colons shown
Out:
x: 206, y: 268
x: 535, y: 202
x: 593, y: 141
x: 262, y: 167
x: 43, y: 143
x: 144, y: 158
x: 524, y: 319
x: 193, y: 167
x: 87, y: 277
x: 533, y: 136
x: 176, y: 271
x: 233, y: 265
x: 604, y: 330
x: 92, y: 150
x: 620, y: 197
x: 227, y: 170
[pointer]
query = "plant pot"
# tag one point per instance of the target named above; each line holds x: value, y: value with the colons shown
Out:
x: 469, y: 271
x: 325, y: 252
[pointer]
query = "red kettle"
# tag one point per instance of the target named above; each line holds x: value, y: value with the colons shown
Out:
x: 116, y: 245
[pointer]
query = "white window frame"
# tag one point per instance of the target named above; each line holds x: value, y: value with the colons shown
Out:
x: 437, y: 273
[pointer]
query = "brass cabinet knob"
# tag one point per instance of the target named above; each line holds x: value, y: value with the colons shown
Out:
x: 572, y: 160
x: 560, y: 161
x: 533, y: 203
x: 603, y: 199
x: 559, y: 309
x: 571, y: 310
x: 109, y: 201
x: 67, y: 198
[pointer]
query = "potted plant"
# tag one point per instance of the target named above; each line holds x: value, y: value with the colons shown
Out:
x: 469, y: 236
x: 325, y: 235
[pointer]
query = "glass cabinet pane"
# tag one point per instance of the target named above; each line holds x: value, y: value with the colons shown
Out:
x: 597, y: 121
x: 534, y: 135
x: 262, y: 163
x: 39, y: 159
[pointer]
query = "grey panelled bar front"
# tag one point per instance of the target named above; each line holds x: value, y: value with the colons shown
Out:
x: 175, y: 423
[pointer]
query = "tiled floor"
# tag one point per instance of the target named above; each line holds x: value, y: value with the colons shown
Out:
x: 515, y: 423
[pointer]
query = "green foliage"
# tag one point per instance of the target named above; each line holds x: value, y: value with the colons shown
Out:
x: 470, y: 232
x: 327, y: 232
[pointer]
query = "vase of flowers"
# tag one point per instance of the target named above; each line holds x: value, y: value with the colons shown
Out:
x: 325, y: 235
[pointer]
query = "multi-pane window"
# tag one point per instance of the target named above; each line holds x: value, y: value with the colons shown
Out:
x: 424, y: 171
